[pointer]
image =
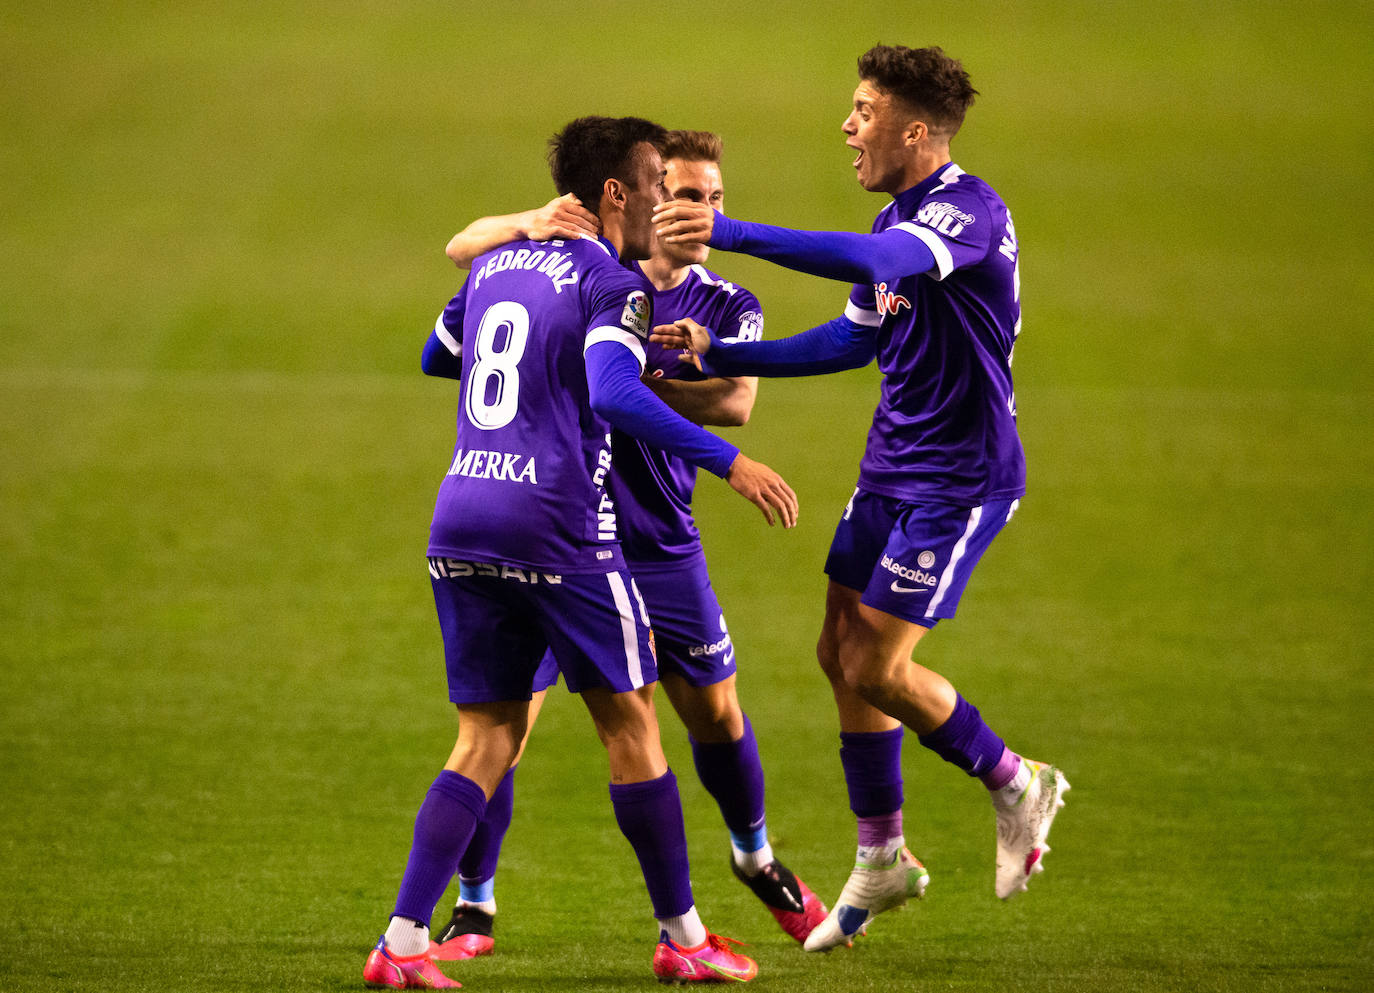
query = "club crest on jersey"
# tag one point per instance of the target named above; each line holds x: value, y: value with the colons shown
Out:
x: 946, y: 218
x: 889, y: 303
x: 750, y: 327
x: 635, y: 316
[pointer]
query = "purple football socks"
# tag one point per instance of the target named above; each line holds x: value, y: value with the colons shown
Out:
x: 650, y: 817
x: 967, y: 742
x: 733, y: 775
x: 450, y: 812
x: 872, y: 764
x: 477, y: 867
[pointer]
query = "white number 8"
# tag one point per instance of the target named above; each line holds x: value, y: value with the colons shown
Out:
x: 490, y: 364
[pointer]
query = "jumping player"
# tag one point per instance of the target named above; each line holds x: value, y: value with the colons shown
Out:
x: 653, y: 490
x: 524, y: 554
x: 937, y: 303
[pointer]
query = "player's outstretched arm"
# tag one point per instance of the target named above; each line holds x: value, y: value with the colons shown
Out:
x: 832, y: 347
x: 854, y: 258
x: 561, y: 217
x: 764, y: 488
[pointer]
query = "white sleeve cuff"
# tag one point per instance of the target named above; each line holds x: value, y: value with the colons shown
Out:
x: 612, y: 333
x: 944, y: 261
x: 866, y: 318
x: 454, y: 346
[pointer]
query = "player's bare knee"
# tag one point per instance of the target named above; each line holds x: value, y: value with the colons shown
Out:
x: 875, y: 691
x: 720, y: 724
x: 828, y: 657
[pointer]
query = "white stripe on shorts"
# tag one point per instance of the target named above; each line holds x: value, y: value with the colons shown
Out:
x: 628, y: 632
x: 955, y: 557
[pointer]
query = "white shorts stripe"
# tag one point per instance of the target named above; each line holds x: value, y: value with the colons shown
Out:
x: 629, y: 633
x: 610, y: 333
x: 944, y: 261
x: 451, y: 343
x: 955, y: 557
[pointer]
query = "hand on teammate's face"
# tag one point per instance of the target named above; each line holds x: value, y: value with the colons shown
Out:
x: 684, y: 222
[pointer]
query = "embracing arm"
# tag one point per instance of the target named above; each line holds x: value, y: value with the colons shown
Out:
x: 618, y: 394
x: 723, y: 402
x: 562, y: 217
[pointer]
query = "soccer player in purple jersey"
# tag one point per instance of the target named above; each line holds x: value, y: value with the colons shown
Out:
x: 937, y: 303
x: 548, y: 340
x: 653, y: 490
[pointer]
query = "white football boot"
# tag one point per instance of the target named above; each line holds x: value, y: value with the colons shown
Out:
x: 871, y: 889
x: 1023, y: 826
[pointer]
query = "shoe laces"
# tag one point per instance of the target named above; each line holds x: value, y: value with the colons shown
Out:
x: 721, y: 943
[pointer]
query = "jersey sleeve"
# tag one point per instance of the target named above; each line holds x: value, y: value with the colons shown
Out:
x: 956, y: 225
x: 442, y: 354
x: 742, y: 320
x: 619, y: 309
x: 862, y: 306
x: 449, y: 326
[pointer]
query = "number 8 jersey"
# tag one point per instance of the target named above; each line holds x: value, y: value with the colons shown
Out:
x: 526, y: 487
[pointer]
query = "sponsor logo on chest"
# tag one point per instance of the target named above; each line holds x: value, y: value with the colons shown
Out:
x: 889, y: 303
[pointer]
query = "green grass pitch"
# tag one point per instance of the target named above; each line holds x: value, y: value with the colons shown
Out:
x: 221, y: 695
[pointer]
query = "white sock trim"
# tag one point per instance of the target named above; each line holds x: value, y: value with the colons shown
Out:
x: 686, y: 929
x: 406, y: 938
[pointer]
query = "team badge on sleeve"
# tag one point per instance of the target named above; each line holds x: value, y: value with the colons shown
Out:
x: 635, y: 316
x: 750, y: 327
x: 946, y: 218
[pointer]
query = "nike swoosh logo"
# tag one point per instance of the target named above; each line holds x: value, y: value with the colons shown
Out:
x: 729, y: 656
x: 724, y: 970
x: 898, y: 588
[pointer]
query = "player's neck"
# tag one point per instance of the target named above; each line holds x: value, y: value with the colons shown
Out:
x: 663, y: 273
x: 614, y: 232
x: 930, y: 161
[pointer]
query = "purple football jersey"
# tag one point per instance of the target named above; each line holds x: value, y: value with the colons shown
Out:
x: 651, y: 488
x: 945, y: 426
x: 526, y: 487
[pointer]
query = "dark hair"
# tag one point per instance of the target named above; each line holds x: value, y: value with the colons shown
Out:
x: 692, y: 146
x: 925, y: 79
x: 591, y: 150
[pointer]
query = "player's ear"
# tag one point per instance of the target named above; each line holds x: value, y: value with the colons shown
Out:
x: 613, y: 191
x: 915, y: 131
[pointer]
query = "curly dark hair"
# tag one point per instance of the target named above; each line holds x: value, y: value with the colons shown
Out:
x: 926, y: 80
x: 591, y: 150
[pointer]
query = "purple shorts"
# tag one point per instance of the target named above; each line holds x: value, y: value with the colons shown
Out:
x: 497, y: 623
x: 911, y: 559
x: 690, y: 636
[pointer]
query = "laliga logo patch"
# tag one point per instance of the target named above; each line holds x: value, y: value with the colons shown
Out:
x: 925, y: 560
x: 635, y: 316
